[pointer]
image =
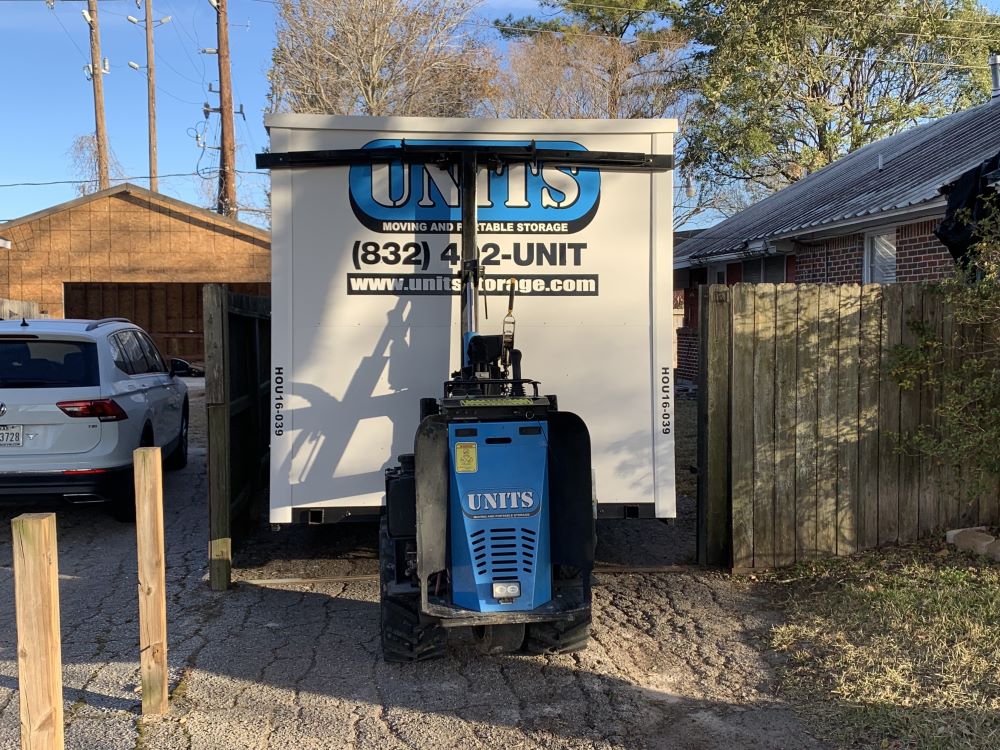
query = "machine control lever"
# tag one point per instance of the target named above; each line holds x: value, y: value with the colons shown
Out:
x: 508, y: 326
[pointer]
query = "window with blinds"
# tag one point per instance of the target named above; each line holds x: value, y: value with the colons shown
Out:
x: 770, y: 269
x: 880, y: 258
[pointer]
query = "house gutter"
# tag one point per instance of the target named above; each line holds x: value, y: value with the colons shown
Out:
x: 927, y: 209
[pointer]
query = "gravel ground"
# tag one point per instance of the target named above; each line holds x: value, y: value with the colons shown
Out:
x: 677, y: 659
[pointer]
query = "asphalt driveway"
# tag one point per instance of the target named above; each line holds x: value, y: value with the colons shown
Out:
x: 677, y: 659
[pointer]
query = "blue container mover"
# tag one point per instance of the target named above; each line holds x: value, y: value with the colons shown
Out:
x: 489, y: 523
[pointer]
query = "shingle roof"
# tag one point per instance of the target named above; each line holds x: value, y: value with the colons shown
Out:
x: 128, y: 189
x: 915, y: 164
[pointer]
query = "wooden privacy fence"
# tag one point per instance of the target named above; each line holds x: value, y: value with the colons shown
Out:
x: 799, y: 424
x: 237, y: 392
x: 14, y: 309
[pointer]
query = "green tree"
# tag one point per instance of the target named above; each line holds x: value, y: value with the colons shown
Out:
x: 964, y: 369
x: 614, y: 59
x: 787, y: 86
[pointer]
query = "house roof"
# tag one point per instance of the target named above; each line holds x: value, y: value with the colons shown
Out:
x: 854, y: 189
x: 128, y: 189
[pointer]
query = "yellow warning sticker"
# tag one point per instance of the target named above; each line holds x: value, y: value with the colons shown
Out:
x: 466, y: 458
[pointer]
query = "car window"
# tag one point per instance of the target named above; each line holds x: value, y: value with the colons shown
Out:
x: 118, y: 355
x: 152, y: 353
x: 40, y: 363
x: 134, y: 353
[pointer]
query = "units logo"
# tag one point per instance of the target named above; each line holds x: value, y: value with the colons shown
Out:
x: 501, y: 503
x: 515, y: 198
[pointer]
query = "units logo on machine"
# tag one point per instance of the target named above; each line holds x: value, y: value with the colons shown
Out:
x: 501, y: 504
x: 513, y: 199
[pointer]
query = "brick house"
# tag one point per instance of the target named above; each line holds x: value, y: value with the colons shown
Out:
x: 868, y: 217
x: 130, y: 252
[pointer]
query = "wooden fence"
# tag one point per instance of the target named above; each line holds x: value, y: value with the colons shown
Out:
x: 14, y: 309
x: 799, y: 425
x: 237, y: 392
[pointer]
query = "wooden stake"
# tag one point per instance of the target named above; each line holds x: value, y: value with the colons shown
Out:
x: 220, y: 551
x: 152, y: 580
x: 39, y: 649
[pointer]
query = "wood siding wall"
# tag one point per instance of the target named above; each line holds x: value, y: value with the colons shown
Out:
x: 799, y: 424
x: 127, y: 237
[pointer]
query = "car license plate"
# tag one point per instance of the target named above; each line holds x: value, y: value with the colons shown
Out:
x: 11, y: 435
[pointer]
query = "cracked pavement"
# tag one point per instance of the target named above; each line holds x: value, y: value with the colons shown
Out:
x: 677, y: 660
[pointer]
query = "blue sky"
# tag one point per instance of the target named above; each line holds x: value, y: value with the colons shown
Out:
x: 48, y: 100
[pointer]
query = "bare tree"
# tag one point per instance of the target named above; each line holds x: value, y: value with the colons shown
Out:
x: 573, y: 75
x: 569, y: 73
x: 83, y: 157
x: 379, y: 57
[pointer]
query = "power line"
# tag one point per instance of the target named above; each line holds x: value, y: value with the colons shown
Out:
x: 66, y: 31
x: 674, y: 45
x: 973, y: 21
x: 179, y: 26
x: 918, y: 34
x: 162, y: 59
x: 121, y: 179
x: 496, y: 26
x: 956, y: 66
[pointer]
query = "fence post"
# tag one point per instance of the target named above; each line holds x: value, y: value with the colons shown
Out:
x: 741, y: 428
x: 39, y: 649
x: 220, y: 552
x: 713, y: 429
x: 152, y: 579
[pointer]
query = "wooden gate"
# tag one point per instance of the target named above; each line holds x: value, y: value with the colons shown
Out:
x: 237, y: 397
x: 799, y: 425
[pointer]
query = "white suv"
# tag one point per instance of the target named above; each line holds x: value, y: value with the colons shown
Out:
x: 76, y: 398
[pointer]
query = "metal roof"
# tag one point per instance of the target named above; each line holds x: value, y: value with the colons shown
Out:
x: 915, y: 164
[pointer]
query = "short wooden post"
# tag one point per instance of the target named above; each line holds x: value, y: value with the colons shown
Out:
x: 152, y: 579
x: 220, y: 552
x: 39, y: 649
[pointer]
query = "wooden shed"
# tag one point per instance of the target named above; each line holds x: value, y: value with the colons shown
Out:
x: 130, y: 252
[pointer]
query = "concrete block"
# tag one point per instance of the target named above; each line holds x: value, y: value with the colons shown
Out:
x: 974, y: 541
x: 950, y: 535
x: 993, y: 551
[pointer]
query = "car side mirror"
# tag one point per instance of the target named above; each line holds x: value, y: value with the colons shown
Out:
x: 180, y: 368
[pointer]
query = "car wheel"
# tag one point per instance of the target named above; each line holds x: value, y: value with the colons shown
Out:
x: 178, y: 457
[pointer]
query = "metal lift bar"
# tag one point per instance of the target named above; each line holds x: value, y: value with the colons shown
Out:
x: 618, y: 161
x: 469, y: 158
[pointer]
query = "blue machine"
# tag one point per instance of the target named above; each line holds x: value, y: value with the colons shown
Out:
x: 489, y: 523
x: 499, y: 516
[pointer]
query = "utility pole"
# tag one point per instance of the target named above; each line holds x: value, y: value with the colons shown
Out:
x: 151, y: 97
x: 97, y: 77
x: 149, y: 25
x: 227, y: 156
